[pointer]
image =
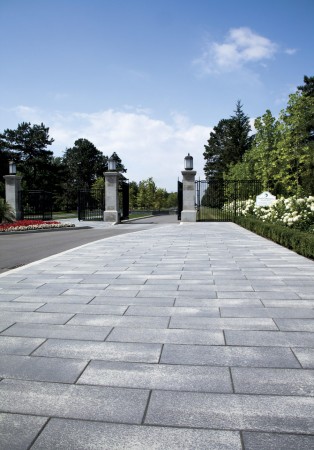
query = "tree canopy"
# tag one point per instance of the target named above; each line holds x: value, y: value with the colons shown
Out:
x: 282, y: 152
x: 308, y: 87
x: 27, y: 146
x: 84, y: 163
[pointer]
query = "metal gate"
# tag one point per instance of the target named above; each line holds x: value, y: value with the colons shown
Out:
x: 180, y: 199
x: 36, y: 205
x: 124, y: 198
x: 91, y: 204
x: 221, y: 201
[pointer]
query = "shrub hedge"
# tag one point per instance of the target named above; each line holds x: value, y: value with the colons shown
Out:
x: 298, y: 241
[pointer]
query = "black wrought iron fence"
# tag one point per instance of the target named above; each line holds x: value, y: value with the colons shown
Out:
x: 180, y: 199
x: 219, y: 200
x: 91, y: 204
x: 36, y: 205
x: 124, y: 200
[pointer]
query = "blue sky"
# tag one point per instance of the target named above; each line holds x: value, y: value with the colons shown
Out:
x: 145, y: 78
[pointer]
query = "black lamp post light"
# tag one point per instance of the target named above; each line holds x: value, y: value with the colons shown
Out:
x: 12, y: 168
x: 112, y: 164
x: 188, y: 162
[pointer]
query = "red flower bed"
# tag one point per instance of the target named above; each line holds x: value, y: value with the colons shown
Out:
x: 26, y: 223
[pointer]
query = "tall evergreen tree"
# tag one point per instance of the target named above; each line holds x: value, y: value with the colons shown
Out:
x: 216, y: 149
x: 27, y: 145
x: 308, y: 87
x: 84, y: 163
x: 240, y: 139
x: 227, y: 143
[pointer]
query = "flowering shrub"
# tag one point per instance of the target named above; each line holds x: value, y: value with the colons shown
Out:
x: 294, y: 212
x: 242, y: 207
x: 24, y: 225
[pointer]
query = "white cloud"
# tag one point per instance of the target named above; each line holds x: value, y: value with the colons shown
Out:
x: 27, y: 113
x: 290, y: 51
x: 147, y: 146
x: 241, y: 46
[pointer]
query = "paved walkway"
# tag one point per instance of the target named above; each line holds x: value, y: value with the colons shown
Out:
x: 192, y: 336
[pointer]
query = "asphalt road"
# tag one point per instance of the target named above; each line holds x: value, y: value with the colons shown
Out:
x: 18, y: 249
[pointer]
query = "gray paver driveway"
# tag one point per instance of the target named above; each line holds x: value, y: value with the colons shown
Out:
x: 191, y: 336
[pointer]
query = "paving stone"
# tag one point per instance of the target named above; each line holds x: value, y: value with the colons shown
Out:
x: 289, y: 303
x: 295, y: 324
x: 306, y: 296
x: 273, y: 381
x: 18, y: 292
x: 221, y: 302
x: 270, y: 338
x: 241, y: 295
x: 172, y: 336
x: 280, y: 295
x: 109, y: 351
x: 222, y: 323
x: 168, y: 311
x: 274, y: 441
x: 229, y: 356
x: 72, y: 401
x: 41, y: 369
x: 233, y: 287
x: 68, y: 434
x: 120, y: 321
x: 53, y: 289
x: 156, y: 301
x: 18, y: 345
x: 34, y: 317
x: 103, y: 293
x: 83, y: 309
x: 17, y: 432
x: 158, y: 376
x: 305, y: 356
x: 154, y: 292
x: 81, y: 299
x: 193, y: 276
x: 267, y: 312
x: 58, y: 331
x: 192, y: 283
x: 254, y: 412
x: 15, y: 306
x: 20, y: 286
x: 153, y: 277
x: 140, y: 281
x: 4, y: 297
x: 5, y: 325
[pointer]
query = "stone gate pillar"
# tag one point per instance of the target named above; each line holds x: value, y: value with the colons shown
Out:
x: 13, y: 194
x: 111, y: 213
x: 188, y: 213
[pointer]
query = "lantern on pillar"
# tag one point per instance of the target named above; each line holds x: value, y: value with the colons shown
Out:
x: 12, y: 168
x: 188, y: 162
x: 112, y: 164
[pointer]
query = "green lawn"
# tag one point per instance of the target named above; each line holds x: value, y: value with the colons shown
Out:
x: 208, y: 214
x: 64, y: 215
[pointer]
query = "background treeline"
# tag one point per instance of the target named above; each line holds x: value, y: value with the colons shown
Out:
x: 280, y: 154
x: 146, y: 195
x: 81, y: 167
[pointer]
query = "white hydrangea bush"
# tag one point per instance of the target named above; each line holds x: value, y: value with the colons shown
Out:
x: 293, y: 212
